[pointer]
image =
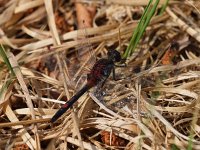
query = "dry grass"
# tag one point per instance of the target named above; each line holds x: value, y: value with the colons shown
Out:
x: 154, y: 104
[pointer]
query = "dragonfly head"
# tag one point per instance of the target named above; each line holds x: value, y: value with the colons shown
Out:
x: 114, y: 55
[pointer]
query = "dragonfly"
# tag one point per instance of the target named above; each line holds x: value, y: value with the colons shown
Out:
x: 98, y: 74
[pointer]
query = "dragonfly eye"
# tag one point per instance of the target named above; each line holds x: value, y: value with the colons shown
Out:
x: 114, y: 55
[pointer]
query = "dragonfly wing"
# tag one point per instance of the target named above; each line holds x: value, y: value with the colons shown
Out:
x: 85, y: 54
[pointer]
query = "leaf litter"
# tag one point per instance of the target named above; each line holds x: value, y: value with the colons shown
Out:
x: 154, y: 104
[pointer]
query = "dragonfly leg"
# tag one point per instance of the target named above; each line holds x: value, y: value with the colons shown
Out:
x: 103, y: 82
x: 114, y: 76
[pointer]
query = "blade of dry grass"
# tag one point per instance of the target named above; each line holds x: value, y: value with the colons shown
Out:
x: 52, y: 26
x: 184, y: 26
x: 167, y: 124
x: 19, y: 76
x: 6, y: 40
x: 134, y: 2
x: 28, y: 5
x: 8, y: 13
x: 24, y: 134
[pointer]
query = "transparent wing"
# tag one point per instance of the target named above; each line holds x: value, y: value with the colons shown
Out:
x: 85, y: 56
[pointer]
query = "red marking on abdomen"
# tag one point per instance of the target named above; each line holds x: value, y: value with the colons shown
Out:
x: 65, y: 105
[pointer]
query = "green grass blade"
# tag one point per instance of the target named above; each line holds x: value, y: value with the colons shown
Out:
x: 5, y: 58
x: 164, y: 7
x: 7, y: 63
x: 147, y: 20
x: 135, y: 32
x: 140, y: 29
x: 4, y: 88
